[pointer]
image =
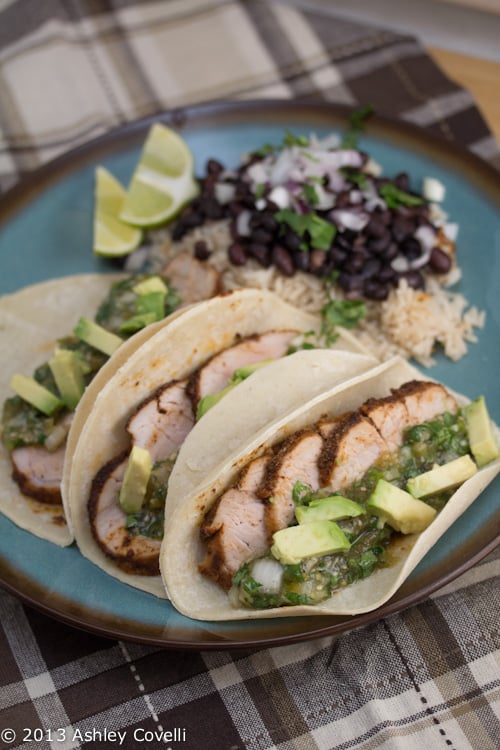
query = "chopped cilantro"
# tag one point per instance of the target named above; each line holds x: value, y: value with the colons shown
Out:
x: 337, y: 312
x: 295, y: 140
x: 394, y: 197
x: 310, y: 194
x: 320, y: 233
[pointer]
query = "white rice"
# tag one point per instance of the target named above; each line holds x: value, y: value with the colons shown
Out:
x: 411, y: 323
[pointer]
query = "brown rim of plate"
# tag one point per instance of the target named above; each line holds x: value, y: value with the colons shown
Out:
x: 283, y: 630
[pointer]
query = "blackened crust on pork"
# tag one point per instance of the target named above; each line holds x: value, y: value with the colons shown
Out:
x: 193, y: 386
x: 49, y: 493
x: 127, y: 560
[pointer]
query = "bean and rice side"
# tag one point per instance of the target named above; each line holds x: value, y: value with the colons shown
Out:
x: 315, y: 221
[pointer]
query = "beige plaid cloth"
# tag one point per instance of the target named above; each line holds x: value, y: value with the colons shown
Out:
x: 72, y: 70
x: 427, y: 677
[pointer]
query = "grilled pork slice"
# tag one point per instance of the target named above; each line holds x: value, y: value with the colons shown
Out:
x: 295, y: 461
x: 390, y: 416
x: 234, y: 529
x: 424, y: 400
x: 213, y: 376
x: 162, y: 421
x: 350, y: 449
x: 38, y: 472
x: 133, y: 554
x: 193, y: 279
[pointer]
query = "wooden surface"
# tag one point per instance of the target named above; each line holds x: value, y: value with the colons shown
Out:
x: 480, y: 77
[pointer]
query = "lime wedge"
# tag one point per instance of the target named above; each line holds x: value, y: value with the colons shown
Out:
x: 162, y: 182
x: 112, y: 237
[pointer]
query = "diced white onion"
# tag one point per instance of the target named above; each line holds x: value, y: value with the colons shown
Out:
x: 372, y: 168
x: 451, y: 231
x: 258, y: 172
x: 400, y: 264
x: 280, y: 196
x: 224, y: 192
x: 350, y: 219
x: 243, y: 223
x: 433, y: 190
x: 269, y: 574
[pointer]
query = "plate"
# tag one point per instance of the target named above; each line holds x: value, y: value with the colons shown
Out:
x: 46, y: 231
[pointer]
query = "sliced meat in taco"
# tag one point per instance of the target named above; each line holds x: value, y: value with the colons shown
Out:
x: 160, y: 397
x: 48, y: 367
x: 331, y: 509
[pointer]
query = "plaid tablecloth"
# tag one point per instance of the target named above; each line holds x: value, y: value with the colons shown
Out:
x: 428, y: 677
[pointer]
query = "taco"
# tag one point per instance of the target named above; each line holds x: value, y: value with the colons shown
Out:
x: 329, y: 509
x: 35, y: 324
x: 131, y: 438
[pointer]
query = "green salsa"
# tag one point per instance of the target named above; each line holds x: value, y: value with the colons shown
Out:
x: 23, y: 424
x: 315, y: 579
x: 148, y: 521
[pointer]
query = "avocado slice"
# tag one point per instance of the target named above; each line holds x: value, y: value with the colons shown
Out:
x: 95, y: 335
x: 443, y: 477
x: 482, y: 440
x: 135, y: 480
x: 67, y: 370
x: 242, y: 373
x: 295, y: 543
x: 150, y: 286
x: 328, y: 509
x: 35, y: 394
x: 399, y: 509
x: 137, y: 322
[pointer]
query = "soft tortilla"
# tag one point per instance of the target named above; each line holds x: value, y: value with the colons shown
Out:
x: 173, y: 353
x: 31, y: 321
x: 199, y: 598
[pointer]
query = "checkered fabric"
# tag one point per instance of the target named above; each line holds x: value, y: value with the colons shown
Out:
x: 428, y: 677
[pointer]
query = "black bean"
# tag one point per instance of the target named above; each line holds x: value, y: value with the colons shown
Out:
x: 402, y: 227
x: 386, y: 273
x: 402, y: 181
x: 345, y: 243
x: 390, y: 251
x: 301, y: 260
x: 375, y: 290
x: 261, y: 236
x: 411, y: 248
x: 211, y: 208
x: 201, y: 250
x: 376, y: 227
x: 236, y: 208
x: 338, y: 255
x: 178, y: 231
x: 261, y: 253
x: 414, y: 279
x: 355, y: 262
x: 282, y: 259
x: 237, y: 254
x: 269, y: 223
x: 379, y: 245
x: 193, y: 219
x: 214, y: 167
x: 350, y: 282
x: 439, y: 262
x: 292, y: 241
x: 371, y: 268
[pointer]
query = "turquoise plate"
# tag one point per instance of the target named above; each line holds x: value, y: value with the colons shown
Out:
x: 46, y: 231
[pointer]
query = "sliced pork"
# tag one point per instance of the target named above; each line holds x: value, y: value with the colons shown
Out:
x: 161, y: 423
x: 192, y: 279
x: 213, y: 377
x: 424, y: 400
x: 234, y: 529
x: 351, y: 448
x: 330, y: 455
x: 295, y: 461
x: 133, y: 554
x: 38, y: 472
